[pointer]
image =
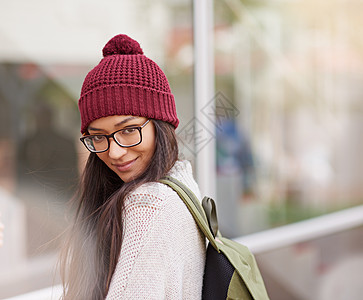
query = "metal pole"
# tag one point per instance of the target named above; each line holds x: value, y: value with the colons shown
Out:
x: 204, y: 91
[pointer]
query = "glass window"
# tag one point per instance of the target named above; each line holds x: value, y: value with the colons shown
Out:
x: 46, y: 49
x: 293, y: 71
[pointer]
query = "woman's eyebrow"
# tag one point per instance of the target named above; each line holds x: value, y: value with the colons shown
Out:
x: 125, y: 121
x: 116, y: 125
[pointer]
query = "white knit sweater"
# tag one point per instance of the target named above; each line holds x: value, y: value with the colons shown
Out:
x: 163, y: 251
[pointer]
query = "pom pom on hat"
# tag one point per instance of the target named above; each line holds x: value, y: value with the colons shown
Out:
x: 122, y: 44
x: 126, y: 82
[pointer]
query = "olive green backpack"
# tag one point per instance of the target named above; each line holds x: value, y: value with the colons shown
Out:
x: 231, y: 271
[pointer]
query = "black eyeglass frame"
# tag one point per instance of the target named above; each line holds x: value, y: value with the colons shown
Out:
x: 112, y: 135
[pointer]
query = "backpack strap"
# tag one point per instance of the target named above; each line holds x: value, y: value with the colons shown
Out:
x: 210, y: 210
x: 201, y: 216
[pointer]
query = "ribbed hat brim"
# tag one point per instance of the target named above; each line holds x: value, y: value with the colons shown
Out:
x: 126, y: 100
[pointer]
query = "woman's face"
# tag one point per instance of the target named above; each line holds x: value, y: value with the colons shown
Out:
x: 127, y: 163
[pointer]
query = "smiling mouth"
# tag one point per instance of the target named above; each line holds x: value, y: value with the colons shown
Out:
x: 126, y: 166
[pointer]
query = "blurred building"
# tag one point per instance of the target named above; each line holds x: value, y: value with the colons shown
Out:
x: 286, y: 127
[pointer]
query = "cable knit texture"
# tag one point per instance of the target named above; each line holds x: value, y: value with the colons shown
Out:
x: 126, y: 82
x: 163, y: 250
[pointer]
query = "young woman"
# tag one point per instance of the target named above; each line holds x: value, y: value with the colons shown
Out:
x: 133, y: 237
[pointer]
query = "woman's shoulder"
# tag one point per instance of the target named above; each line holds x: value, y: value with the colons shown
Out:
x: 156, y: 193
x: 149, y: 193
x: 153, y: 189
x: 182, y: 171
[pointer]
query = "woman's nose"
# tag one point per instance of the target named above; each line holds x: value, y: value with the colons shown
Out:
x: 115, y: 151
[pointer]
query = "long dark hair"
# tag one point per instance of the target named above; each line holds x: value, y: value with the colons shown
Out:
x: 93, y: 244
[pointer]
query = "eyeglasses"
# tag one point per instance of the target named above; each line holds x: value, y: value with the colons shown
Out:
x: 126, y: 138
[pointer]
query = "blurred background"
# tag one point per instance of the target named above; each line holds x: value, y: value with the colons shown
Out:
x: 287, y: 128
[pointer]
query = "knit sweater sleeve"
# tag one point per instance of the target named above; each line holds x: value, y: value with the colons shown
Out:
x: 158, y: 249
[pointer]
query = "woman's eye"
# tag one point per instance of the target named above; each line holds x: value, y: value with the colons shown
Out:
x: 98, y: 138
x: 128, y: 131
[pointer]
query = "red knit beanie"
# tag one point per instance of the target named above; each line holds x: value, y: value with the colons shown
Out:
x: 126, y: 82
